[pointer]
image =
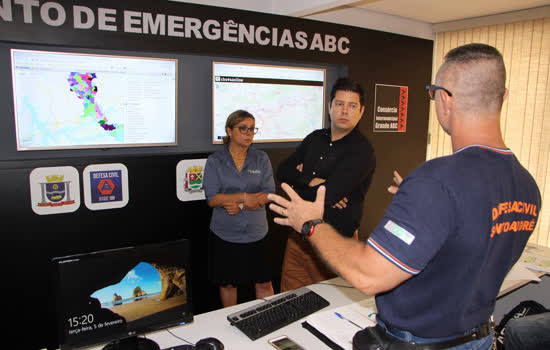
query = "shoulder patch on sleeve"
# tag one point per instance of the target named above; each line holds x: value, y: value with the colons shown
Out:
x: 399, y: 232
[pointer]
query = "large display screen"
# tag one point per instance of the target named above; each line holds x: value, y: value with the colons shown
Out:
x: 118, y: 294
x: 287, y: 102
x: 74, y: 100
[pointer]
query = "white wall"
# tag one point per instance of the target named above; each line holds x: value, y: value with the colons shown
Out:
x: 377, y: 21
x: 370, y: 19
x: 343, y: 15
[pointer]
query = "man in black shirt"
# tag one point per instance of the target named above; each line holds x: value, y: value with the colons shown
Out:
x: 341, y: 159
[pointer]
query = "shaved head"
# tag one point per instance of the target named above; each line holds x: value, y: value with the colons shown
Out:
x: 476, y: 76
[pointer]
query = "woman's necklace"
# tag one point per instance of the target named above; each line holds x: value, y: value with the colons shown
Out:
x: 238, y: 159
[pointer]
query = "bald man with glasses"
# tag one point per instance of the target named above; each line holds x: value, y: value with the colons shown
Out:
x: 455, y: 227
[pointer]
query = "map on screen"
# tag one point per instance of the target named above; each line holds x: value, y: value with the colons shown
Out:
x: 287, y: 102
x: 70, y: 100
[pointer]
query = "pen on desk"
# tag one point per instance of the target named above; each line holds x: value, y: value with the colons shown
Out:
x: 350, y: 321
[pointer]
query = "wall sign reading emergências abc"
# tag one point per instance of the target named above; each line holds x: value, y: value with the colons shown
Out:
x: 166, y: 25
x: 390, y: 108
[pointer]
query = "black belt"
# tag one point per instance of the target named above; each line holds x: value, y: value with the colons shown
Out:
x: 480, y: 332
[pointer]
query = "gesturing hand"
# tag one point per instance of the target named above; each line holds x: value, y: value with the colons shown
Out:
x: 397, y: 179
x: 343, y: 203
x: 296, y: 211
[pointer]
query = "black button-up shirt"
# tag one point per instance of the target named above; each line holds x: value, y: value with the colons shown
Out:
x: 347, y: 165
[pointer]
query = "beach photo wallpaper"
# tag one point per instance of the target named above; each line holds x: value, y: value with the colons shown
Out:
x: 146, y: 289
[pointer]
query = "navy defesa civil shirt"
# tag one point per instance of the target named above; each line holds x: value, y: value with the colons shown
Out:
x: 458, y: 224
x: 347, y: 165
x: 221, y: 176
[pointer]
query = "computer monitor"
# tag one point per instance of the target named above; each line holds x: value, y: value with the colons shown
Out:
x: 286, y: 101
x: 113, y: 296
x: 68, y: 100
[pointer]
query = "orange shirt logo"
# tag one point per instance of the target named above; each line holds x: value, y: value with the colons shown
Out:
x: 515, y: 226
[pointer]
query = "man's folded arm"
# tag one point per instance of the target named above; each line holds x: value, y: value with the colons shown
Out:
x: 344, y: 178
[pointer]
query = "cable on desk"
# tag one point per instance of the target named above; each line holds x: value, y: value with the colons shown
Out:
x: 336, y: 285
x: 180, y: 338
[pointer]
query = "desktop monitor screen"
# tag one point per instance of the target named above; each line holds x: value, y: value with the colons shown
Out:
x: 74, y: 100
x: 287, y: 102
x: 115, y: 295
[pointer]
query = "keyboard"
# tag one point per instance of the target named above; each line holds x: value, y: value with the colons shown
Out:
x: 282, y: 310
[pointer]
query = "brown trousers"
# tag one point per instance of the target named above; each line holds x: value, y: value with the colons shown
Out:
x: 302, y: 266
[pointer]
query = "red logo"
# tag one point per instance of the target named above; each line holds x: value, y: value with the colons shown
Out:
x: 106, y: 186
x: 403, y: 98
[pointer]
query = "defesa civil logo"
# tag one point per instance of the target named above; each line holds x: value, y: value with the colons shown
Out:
x: 105, y: 186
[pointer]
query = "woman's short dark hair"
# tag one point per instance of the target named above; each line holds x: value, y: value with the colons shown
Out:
x: 234, y: 119
x: 346, y: 84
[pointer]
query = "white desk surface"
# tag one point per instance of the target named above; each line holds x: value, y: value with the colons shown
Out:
x: 215, y: 323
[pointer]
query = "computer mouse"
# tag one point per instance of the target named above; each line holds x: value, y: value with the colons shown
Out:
x: 209, y: 344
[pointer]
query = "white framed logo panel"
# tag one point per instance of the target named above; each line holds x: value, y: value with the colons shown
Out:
x: 189, y: 179
x: 105, y: 186
x: 54, y: 190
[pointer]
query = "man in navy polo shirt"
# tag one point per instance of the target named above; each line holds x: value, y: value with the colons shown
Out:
x: 455, y: 227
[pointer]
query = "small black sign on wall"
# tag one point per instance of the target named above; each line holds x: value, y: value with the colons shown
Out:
x: 390, y: 108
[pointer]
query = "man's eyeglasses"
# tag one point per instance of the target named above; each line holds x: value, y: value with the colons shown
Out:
x: 244, y: 130
x: 433, y: 88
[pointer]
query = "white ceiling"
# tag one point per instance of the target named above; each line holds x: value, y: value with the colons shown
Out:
x: 428, y: 11
x: 437, y: 11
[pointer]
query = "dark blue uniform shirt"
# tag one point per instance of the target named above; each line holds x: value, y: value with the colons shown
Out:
x: 458, y: 224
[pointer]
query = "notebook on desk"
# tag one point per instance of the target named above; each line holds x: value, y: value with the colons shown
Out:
x: 336, y: 327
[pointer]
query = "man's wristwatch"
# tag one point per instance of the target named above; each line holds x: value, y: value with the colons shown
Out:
x: 308, y: 227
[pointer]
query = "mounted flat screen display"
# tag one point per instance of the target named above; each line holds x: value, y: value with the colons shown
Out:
x: 114, y: 296
x: 74, y: 100
x: 287, y: 102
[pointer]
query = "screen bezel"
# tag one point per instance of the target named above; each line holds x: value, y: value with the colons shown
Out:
x: 284, y: 66
x: 64, y: 308
x: 93, y: 146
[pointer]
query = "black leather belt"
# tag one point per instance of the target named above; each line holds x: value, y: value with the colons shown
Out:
x: 480, y: 332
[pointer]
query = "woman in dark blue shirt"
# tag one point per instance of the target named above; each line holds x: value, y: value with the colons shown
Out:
x: 237, y: 180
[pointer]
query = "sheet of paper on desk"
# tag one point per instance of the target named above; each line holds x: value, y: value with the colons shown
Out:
x: 341, y: 324
x: 520, y: 272
x: 534, y: 261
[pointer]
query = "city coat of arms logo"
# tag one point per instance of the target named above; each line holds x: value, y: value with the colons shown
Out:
x: 193, y: 179
x: 54, y: 190
x: 189, y: 179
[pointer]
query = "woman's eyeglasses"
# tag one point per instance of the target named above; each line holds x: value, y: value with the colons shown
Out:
x: 244, y: 129
x: 433, y: 88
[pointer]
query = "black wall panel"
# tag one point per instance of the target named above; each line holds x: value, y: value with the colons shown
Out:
x: 154, y: 212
